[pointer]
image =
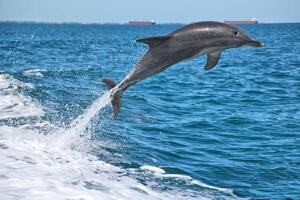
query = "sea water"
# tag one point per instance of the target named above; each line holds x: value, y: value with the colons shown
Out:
x: 229, y: 133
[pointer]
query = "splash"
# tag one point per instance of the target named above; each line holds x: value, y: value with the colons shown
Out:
x: 79, y: 125
x: 81, y: 122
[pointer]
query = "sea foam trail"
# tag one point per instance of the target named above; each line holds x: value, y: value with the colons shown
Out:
x: 79, y: 125
x: 30, y: 168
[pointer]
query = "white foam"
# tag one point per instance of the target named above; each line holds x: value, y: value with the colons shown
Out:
x: 155, y: 170
x: 197, y: 182
x: 31, y: 169
x: 161, y: 173
x: 14, y: 104
x: 34, y: 72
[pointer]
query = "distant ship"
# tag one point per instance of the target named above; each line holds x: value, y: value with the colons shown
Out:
x: 142, y: 23
x: 253, y: 21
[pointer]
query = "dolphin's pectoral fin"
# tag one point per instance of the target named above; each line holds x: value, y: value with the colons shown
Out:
x: 154, y: 41
x: 212, y: 59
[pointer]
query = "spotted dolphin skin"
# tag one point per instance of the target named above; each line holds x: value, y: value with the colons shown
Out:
x: 202, y: 38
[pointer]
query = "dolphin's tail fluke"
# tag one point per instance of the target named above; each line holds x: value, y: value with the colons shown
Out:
x: 115, y: 97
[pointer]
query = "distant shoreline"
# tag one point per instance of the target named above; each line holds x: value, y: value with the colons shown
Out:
x: 113, y: 23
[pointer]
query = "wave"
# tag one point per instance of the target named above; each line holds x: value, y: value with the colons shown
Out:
x: 35, y: 165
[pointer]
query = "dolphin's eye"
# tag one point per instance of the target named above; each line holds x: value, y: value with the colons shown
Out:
x: 236, y: 33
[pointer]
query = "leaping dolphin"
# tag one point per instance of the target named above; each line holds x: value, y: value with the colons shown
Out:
x: 202, y: 38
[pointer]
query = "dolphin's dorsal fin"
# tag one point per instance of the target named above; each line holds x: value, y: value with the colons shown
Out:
x: 154, y: 41
x: 212, y: 59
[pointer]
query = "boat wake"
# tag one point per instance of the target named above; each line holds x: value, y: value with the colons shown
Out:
x: 35, y: 165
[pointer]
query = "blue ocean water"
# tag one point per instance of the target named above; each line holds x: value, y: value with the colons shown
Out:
x: 229, y: 133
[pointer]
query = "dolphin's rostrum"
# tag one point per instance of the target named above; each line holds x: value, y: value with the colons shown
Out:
x: 202, y: 38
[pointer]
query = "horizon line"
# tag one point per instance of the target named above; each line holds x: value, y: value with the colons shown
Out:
x: 120, y: 23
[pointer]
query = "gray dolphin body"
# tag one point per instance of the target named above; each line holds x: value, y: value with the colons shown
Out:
x: 202, y: 38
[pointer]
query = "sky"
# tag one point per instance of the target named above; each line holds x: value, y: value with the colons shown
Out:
x: 162, y: 11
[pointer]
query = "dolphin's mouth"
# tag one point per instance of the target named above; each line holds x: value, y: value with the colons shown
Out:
x: 256, y: 43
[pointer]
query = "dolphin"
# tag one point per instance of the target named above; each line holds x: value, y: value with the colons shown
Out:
x: 202, y: 38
